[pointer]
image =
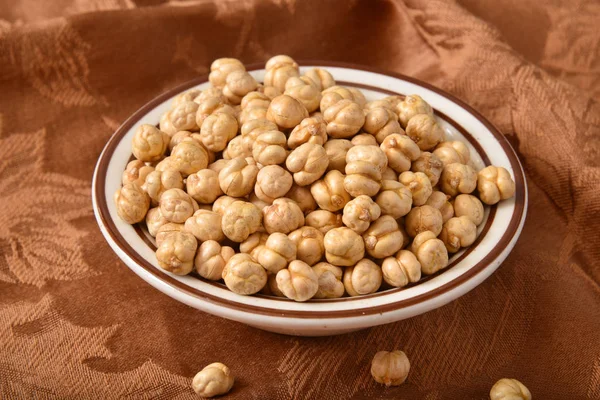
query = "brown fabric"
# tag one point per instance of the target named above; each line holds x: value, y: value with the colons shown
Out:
x: 75, y: 322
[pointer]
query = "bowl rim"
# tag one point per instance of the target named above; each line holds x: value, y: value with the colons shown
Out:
x: 513, y: 229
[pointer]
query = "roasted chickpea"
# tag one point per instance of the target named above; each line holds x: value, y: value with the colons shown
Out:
x: 149, y: 143
x: 321, y: 78
x: 466, y: 205
x: 188, y: 157
x: 253, y: 243
x: 252, y: 129
x: 258, y: 202
x: 336, y: 150
x: 402, y: 269
x: 343, y: 247
x: 166, y: 125
x: 205, y: 225
x: 238, y: 84
x: 210, y: 106
x: 283, y: 216
x: 419, y: 185
x: 136, y: 172
x: 308, y: 163
x: 344, y: 119
x: 394, y: 199
x: 371, y: 105
x: 211, y: 258
x: 178, y: 138
x: 203, y: 186
x: 363, y: 278
x: 221, y: 68
x: 384, y: 237
x: 329, y: 193
x: 394, y: 100
x: 286, y: 111
x: 309, y: 244
x: 240, y: 220
x: 458, y: 232
x: 424, y: 130
x: 302, y: 196
x: 494, y: 184
x: 243, y: 275
x: 176, y: 253
x: 390, y: 368
x: 400, y: 151
x: 335, y: 94
x: 509, y: 389
x: 269, y: 91
x: 255, y: 99
x: 330, y: 281
x: 183, y: 117
x: 238, y: 177
x: 440, y: 201
x: 359, y: 213
x: 154, y: 220
x: 217, y: 130
x: 389, y: 174
x: 222, y: 203
x: 236, y: 148
x: 453, y: 152
x: 279, y: 73
x: 272, y: 182
x: 364, y: 165
x: 381, y: 123
x: 190, y: 95
x: 176, y: 205
x: 278, y: 251
x: 423, y: 218
x: 165, y: 230
x: 429, y: 164
x: 364, y: 139
x: 304, y: 91
x: 323, y: 220
x: 458, y: 178
x: 252, y: 113
x: 310, y: 130
x: 430, y: 251
x: 412, y: 105
x: 282, y: 59
x: 211, y: 92
x: 215, y: 379
x: 157, y: 182
x: 269, y: 148
x: 298, y: 282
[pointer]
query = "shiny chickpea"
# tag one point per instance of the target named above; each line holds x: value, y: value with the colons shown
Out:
x: 307, y: 162
x: 277, y: 252
x: 429, y: 164
x: 217, y: 130
x: 400, y: 151
x: 302, y: 196
x: 458, y: 178
x: 384, y: 237
x: 453, y: 152
x: 402, y: 269
x: 205, y: 225
x: 329, y: 193
x: 359, y: 213
x: 136, y: 172
x: 272, y: 182
x: 394, y: 199
x: 336, y: 150
x: 412, y: 105
x: 343, y: 247
x: 494, y: 184
x: 238, y: 84
x: 424, y: 130
x: 176, y: 205
x: 157, y: 182
x: 149, y: 144
x: 282, y: 59
x: 509, y: 389
x: 269, y: 148
x: 309, y: 244
x: 458, y: 232
x: 466, y: 205
x: 364, y: 165
x: 176, y: 253
x: 363, y: 278
x: 154, y: 220
x: 330, y: 281
x: 238, y: 177
x: 423, y: 218
x: 240, y: 220
x: 310, y: 130
x: 321, y: 77
x: 344, y: 119
x: 430, y: 251
x: 381, y: 123
x: 283, y: 216
x: 323, y: 220
x: 211, y: 258
x: 419, y: 185
x: 440, y: 201
x: 269, y: 91
x: 298, y: 282
x: 243, y: 275
x: 390, y: 368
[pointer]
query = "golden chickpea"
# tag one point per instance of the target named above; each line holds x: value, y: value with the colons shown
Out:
x: 269, y: 148
x: 283, y: 216
x: 402, y: 269
x: 384, y: 237
x: 419, y: 185
x: 323, y: 220
x: 136, y: 172
x: 149, y: 143
x: 211, y: 258
x: 336, y: 150
x: 178, y: 138
x: 188, y: 157
x: 132, y: 203
x: 423, y: 218
x: 400, y: 151
x: 253, y: 243
x: 329, y: 193
x: 255, y: 99
x: 302, y: 196
x: 252, y: 129
x: 238, y: 84
x: 236, y: 148
x: 429, y: 164
x: 303, y: 91
x: 278, y: 251
x: 344, y: 119
x: 394, y: 100
x: 391, y: 369
x: 211, y: 92
x: 243, y: 275
x: 494, y: 184
x: 217, y: 130
x: 381, y: 123
x: 165, y: 124
x: 424, y: 130
x: 509, y: 389
x: 238, y: 177
x: 272, y: 182
x: 363, y: 278
x: 154, y: 220
x: 359, y: 213
x: 321, y: 77
x: 165, y: 230
x: 240, y: 220
x: 382, y: 103
x: 310, y: 130
x: 221, y: 68
x: 157, y: 182
x: 466, y: 205
x: 298, y: 282
x: 412, y: 105
x: 183, y: 117
x: 258, y: 202
x: 394, y: 199
x: 307, y: 162
x: 221, y: 204
x: 309, y: 244
x: 453, y: 152
x: 183, y: 97
x: 176, y: 205
x: 214, y: 380
x: 271, y: 288
x: 176, y: 253
x: 430, y: 251
x: 458, y: 232
x: 335, y: 94
x: 205, y: 225
x: 364, y: 165
x: 281, y: 59
x: 210, y: 106
x: 343, y: 247
x: 252, y: 113
x: 269, y: 91
x: 330, y: 281
x: 286, y: 112
x: 278, y: 75
x: 389, y: 174
x: 364, y: 139
x: 359, y: 97
x: 458, y: 178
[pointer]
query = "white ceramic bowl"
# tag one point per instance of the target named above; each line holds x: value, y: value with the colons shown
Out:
x: 497, y: 235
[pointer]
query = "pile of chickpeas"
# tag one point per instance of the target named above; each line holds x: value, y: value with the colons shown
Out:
x: 300, y: 188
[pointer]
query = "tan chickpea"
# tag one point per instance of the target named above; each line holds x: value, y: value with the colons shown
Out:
x: 309, y: 244
x: 188, y: 157
x: 238, y: 84
x: 359, y: 97
x: 211, y: 258
x: 255, y: 99
x: 217, y: 130
x: 384, y: 237
x: 359, y: 213
x: 394, y: 199
x: 330, y: 281
x: 154, y: 220
x: 190, y: 95
x: 276, y: 253
x: 466, y: 205
x: 412, y: 105
x: 336, y: 150
x: 269, y: 148
x: 136, y: 172
x: 343, y: 247
x: 157, y: 182
x: 364, y: 139
x: 183, y: 117
x: 458, y: 178
x: 253, y: 243
x: 211, y: 92
x: 323, y: 220
x: 269, y: 91
x: 272, y: 182
x: 165, y: 230
x: 178, y: 138
x: 236, y: 148
x: 400, y: 151
x: 243, y: 275
x: 215, y: 379
x: 205, y: 225
x: 278, y: 75
x: 286, y: 111
x: 335, y: 94
x: 252, y: 113
x: 258, y: 202
x: 429, y: 164
x: 132, y: 203
x: 381, y: 123
x: 302, y: 196
x: 298, y: 282
x: 176, y: 253
x: 167, y: 164
x: 394, y: 100
x: 283, y: 216
x: 390, y: 368
x: 307, y: 162
x: 165, y: 124
x: 310, y: 130
x: 344, y: 119
x: 363, y: 278
x: 458, y: 232
x: 402, y: 269
x: 382, y: 103
x: 425, y: 131
x: 389, y: 174
x: 423, y: 218
x: 453, y: 152
x: 223, y: 202
x: 430, y: 251
x: 440, y: 201
x: 250, y: 130
x: 321, y: 77
x: 495, y: 184
x: 221, y: 68
x: 281, y: 59
x: 364, y: 165
x: 419, y: 185
x: 240, y: 220
x: 210, y: 106
x: 149, y: 143
x: 238, y: 177
x: 509, y: 389
x: 305, y: 93
x: 176, y: 205
x: 329, y: 193
x: 271, y: 288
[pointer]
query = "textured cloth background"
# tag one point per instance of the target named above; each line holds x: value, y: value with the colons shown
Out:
x: 76, y: 323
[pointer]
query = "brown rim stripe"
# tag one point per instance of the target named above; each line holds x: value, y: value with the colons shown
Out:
x: 476, y: 269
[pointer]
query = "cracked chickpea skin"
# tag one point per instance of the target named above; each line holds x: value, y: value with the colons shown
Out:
x: 298, y: 281
x: 509, y: 389
x: 330, y: 281
x: 243, y: 275
x: 217, y: 130
x: 458, y: 232
x: 214, y: 380
x: 343, y: 247
x: 384, y: 237
x: 390, y: 368
x: 429, y: 164
x: 176, y: 253
x: 423, y: 218
x: 430, y: 251
x: 495, y: 184
x: 240, y: 220
x: 363, y: 278
x: 309, y: 244
x: 211, y: 258
x: 402, y: 269
x: 329, y: 192
x: 458, y: 178
x: 419, y: 185
x: 205, y: 225
x: 277, y: 252
x: 394, y: 199
x: 360, y: 212
x: 132, y: 203
x: 165, y: 230
x: 324, y: 220
x: 283, y: 216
